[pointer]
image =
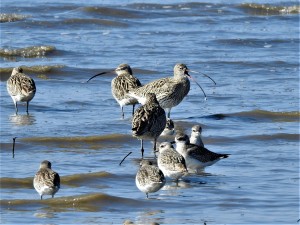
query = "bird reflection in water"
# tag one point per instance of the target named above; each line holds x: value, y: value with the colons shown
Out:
x: 22, y: 120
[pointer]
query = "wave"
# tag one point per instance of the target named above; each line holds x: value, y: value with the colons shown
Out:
x: 74, y: 180
x: 112, y: 12
x: 6, y: 18
x: 91, y: 142
x: 102, y: 22
x: 260, y: 116
x: 6, y: 72
x: 255, y: 42
x: 89, y: 202
x: 267, y: 9
x: 28, y: 52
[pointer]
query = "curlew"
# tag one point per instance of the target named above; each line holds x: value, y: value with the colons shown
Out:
x: 121, y: 85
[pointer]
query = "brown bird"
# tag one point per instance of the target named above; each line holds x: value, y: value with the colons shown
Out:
x: 148, y: 121
x: 122, y: 84
x: 46, y: 181
x: 20, y: 87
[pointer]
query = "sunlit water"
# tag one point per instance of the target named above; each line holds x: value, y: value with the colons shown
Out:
x: 250, y: 50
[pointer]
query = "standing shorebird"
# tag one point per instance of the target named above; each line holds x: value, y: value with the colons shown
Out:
x: 196, y: 138
x: 196, y: 157
x: 148, y: 121
x: 121, y: 84
x: 169, y: 129
x: 149, y: 178
x: 46, y: 181
x: 20, y: 87
x: 169, y: 91
x: 171, y: 163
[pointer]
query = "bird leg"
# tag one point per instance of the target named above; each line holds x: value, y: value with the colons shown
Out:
x: 133, y: 109
x: 169, y: 113
x: 154, y: 147
x: 27, y: 105
x: 16, y: 107
x: 122, y: 112
x: 142, y: 148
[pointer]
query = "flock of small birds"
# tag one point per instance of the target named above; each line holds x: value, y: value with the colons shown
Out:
x: 149, y: 121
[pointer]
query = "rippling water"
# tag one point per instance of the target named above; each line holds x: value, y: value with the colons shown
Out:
x: 251, y: 49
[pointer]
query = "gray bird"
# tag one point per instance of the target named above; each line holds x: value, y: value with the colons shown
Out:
x: 196, y: 137
x: 196, y: 157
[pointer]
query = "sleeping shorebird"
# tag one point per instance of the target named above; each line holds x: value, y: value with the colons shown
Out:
x: 171, y: 163
x: 148, y: 121
x: 196, y: 157
x: 196, y: 138
x: 169, y: 91
x: 20, y: 87
x: 46, y: 181
x: 121, y: 84
x: 149, y: 178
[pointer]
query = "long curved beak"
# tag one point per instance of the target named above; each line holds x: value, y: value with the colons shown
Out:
x: 205, y: 98
x: 205, y: 76
x: 99, y: 74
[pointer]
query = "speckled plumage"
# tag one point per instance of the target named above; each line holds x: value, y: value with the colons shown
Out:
x: 148, y: 121
x: 196, y: 138
x: 20, y: 87
x: 122, y: 84
x: 196, y: 157
x: 169, y: 91
x: 171, y: 162
x: 149, y: 178
x: 46, y: 181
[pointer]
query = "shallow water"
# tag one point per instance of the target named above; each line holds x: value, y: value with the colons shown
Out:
x: 251, y: 49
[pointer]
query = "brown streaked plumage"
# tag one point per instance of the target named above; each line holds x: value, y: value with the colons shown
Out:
x: 122, y: 84
x: 46, y: 181
x: 20, y: 87
x: 169, y: 91
x: 148, y: 121
x: 149, y: 178
x: 171, y: 163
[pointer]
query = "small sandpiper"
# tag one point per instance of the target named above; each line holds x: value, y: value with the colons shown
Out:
x: 20, y: 87
x: 169, y: 129
x: 196, y: 137
x: 171, y: 162
x: 46, y: 181
x: 121, y: 84
x: 148, y: 121
x: 149, y: 178
x: 196, y: 157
